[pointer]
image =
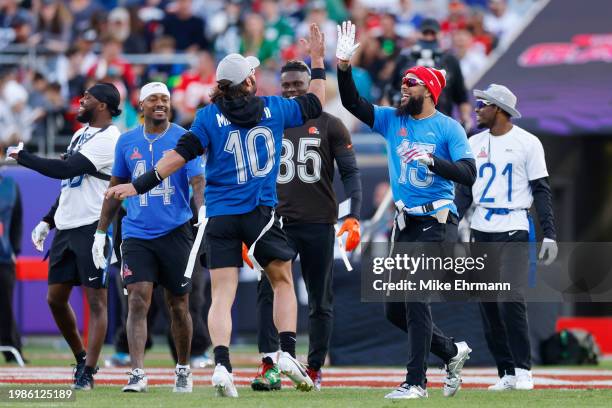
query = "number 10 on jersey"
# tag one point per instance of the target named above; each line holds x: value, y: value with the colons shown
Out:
x: 250, y: 160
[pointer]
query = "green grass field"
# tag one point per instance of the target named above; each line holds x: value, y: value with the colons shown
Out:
x: 330, y: 398
x: 45, y: 354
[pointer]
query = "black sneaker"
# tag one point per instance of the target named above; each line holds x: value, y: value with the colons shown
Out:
x: 77, y: 370
x: 86, y: 381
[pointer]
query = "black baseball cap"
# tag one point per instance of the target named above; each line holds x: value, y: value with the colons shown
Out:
x: 430, y: 24
x: 107, y: 93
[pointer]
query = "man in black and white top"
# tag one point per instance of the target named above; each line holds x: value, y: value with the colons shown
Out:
x: 85, y: 173
x: 511, y: 176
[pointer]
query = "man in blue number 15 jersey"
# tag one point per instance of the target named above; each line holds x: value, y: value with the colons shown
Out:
x: 242, y: 135
x: 427, y: 151
x: 156, y: 235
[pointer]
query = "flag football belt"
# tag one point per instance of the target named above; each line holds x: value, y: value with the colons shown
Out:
x: 500, y: 211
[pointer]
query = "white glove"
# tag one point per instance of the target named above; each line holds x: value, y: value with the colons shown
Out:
x: 201, y: 215
x: 39, y: 234
x: 415, y: 153
x: 13, y: 151
x: 97, y: 250
x: 346, y: 46
x: 548, y: 246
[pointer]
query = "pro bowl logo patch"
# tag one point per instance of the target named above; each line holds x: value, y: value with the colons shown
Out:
x: 135, y: 154
x: 126, y: 271
x: 313, y: 130
x: 483, y: 153
x: 403, y: 132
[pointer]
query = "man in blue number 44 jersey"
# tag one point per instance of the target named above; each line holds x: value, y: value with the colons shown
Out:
x: 427, y: 152
x: 242, y: 135
x: 156, y: 235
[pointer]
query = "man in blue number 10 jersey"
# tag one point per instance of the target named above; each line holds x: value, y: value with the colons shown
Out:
x: 242, y: 136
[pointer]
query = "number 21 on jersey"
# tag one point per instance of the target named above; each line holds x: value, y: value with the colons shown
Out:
x: 490, y: 169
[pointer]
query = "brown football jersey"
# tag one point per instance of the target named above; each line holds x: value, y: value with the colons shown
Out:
x: 305, y: 180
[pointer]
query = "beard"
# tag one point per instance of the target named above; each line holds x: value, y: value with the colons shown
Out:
x: 85, y: 117
x: 413, y: 107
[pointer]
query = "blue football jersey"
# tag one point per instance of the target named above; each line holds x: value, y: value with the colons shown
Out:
x: 413, y: 182
x: 242, y: 163
x: 165, y: 207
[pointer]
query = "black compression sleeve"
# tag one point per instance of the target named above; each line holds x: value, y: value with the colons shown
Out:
x: 542, y: 197
x: 50, y: 217
x: 351, y: 179
x: 463, y: 198
x: 146, y: 182
x: 358, y: 106
x: 189, y: 146
x: 16, y: 229
x: 310, y: 106
x: 462, y: 171
x: 75, y: 165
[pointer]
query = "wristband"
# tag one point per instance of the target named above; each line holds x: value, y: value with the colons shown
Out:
x: 318, y: 73
x: 146, y: 182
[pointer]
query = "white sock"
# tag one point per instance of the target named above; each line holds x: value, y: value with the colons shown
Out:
x: 273, y: 356
x: 186, y: 366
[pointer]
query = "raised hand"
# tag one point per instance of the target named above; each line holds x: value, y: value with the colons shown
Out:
x: 346, y: 46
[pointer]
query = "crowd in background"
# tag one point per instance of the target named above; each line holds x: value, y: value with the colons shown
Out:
x: 76, y: 43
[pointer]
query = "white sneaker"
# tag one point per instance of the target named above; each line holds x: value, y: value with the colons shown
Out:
x: 183, y: 381
x: 524, y: 379
x: 295, y: 371
x: 137, y: 381
x: 452, y: 382
x: 406, y: 391
x: 223, y: 381
x: 507, y: 382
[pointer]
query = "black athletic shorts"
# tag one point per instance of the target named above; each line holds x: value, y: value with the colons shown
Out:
x: 71, y: 261
x: 161, y: 260
x: 225, y: 234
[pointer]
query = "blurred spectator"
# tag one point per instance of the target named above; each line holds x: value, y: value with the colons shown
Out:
x: 112, y: 67
x: 501, y: 21
x: 15, y: 23
x: 186, y: 29
x: 11, y: 228
x: 457, y: 19
x: 86, y: 45
x: 83, y: 12
x: 481, y: 36
x: 37, y: 100
x: 471, y: 55
x: 408, y: 19
x: 225, y: 28
x: 317, y: 14
x: 427, y: 52
x: 254, y: 42
x: 278, y: 32
x: 193, y: 88
x: 52, y: 26
x: 122, y: 29
x: 16, y: 117
x: 166, y: 72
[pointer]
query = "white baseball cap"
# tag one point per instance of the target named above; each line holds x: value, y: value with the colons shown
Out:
x: 153, y: 88
x: 236, y: 68
x: 501, y: 96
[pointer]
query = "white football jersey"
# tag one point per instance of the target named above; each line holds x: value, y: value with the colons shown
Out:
x: 82, y: 196
x: 504, y: 166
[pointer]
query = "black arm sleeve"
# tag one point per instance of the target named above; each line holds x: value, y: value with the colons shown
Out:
x: 462, y: 171
x: 189, y: 147
x: 463, y: 199
x: 16, y: 224
x: 357, y: 105
x: 50, y: 217
x: 341, y: 146
x: 351, y: 179
x: 310, y: 106
x: 542, y: 197
x: 75, y: 165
